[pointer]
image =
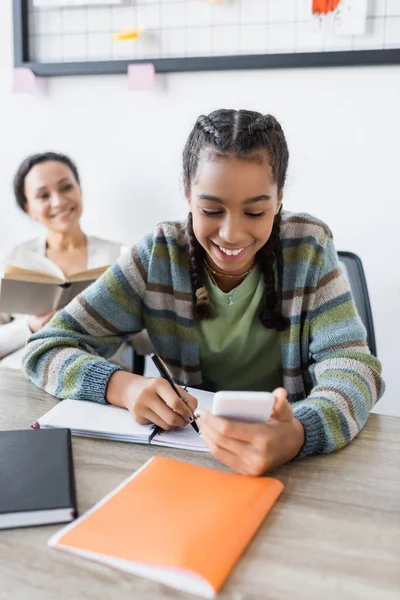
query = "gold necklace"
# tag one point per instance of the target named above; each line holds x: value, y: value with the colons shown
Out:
x: 219, y: 274
x: 213, y: 272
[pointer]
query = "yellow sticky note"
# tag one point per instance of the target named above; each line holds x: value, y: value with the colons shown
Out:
x: 128, y: 34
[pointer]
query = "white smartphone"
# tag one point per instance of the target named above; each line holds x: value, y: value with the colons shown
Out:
x: 253, y: 407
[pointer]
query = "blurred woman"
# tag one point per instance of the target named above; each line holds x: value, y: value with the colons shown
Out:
x: 47, y: 188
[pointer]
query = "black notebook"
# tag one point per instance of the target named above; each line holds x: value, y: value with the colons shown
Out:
x: 37, y: 484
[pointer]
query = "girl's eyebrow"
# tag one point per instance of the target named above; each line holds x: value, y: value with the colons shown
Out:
x: 211, y: 198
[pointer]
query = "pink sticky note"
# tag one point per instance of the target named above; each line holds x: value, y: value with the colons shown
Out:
x: 24, y: 80
x: 141, y: 76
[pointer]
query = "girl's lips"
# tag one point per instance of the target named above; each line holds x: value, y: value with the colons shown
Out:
x: 226, y: 257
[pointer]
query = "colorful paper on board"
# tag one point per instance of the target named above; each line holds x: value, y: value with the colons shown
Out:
x: 141, y: 76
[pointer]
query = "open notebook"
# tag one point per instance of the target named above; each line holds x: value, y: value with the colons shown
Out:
x: 89, y: 419
x: 179, y: 524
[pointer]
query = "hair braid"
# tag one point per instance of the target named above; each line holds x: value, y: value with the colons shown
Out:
x: 202, y: 306
x: 264, y: 123
x: 269, y: 316
x: 208, y: 126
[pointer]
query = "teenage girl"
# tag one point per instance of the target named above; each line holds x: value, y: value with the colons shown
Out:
x: 241, y: 296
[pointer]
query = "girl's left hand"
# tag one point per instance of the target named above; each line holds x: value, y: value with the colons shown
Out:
x: 254, y: 448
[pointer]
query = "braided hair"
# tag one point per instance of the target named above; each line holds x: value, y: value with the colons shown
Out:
x: 242, y: 133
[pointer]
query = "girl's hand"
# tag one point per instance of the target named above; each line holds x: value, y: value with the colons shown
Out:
x: 36, y: 323
x: 151, y: 400
x: 254, y: 448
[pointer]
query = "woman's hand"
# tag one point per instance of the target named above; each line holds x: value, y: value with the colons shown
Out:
x: 36, y: 323
x: 151, y: 400
x: 254, y: 448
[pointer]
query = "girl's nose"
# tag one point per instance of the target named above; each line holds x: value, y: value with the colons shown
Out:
x: 231, y: 231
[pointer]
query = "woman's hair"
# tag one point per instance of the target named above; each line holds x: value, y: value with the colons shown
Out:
x: 245, y: 134
x: 32, y: 161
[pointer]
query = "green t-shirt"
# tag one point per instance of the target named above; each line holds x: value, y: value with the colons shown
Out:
x: 236, y: 351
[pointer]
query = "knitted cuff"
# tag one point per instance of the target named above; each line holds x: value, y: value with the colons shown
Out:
x: 314, y: 434
x: 94, y: 381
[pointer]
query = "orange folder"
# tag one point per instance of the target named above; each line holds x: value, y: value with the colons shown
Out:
x: 176, y: 523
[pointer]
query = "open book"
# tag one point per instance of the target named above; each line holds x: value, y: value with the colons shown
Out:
x: 89, y: 419
x: 37, y: 286
x: 179, y: 524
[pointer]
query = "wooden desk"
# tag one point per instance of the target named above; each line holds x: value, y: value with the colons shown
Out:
x: 334, y: 533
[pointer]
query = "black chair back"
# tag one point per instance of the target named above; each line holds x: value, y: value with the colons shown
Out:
x: 353, y: 269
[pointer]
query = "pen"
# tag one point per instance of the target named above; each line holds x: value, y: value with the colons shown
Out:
x: 155, y: 430
x: 162, y: 369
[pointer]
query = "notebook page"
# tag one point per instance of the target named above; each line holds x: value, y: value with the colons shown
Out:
x: 90, y: 419
x: 185, y: 438
x: 204, y: 398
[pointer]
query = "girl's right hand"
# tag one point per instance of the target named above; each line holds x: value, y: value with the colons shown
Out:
x: 36, y: 323
x: 151, y: 400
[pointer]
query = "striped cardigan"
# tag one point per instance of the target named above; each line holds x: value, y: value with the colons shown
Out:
x: 330, y: 376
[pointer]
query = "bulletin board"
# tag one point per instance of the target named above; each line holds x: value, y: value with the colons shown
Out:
x: 198, y: 35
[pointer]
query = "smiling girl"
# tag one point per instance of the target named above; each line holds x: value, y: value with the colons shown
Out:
x: 47, y: 188
x: 241, y: 296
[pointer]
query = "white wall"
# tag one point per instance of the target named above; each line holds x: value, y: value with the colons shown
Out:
x: 342, y: 126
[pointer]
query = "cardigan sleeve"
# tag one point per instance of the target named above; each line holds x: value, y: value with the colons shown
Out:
x: 347, y: 378
x: 14, y: 333
x: 67, y: 358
